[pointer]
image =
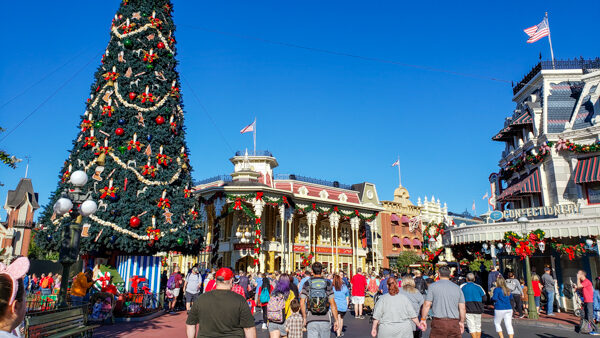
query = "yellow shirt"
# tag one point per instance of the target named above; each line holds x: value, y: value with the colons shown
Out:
x: 80, y: 285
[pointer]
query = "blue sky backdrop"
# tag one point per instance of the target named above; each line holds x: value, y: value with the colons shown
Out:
x: 325, y: 116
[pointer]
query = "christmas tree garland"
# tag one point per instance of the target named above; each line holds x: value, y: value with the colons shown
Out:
x: 525, y: 246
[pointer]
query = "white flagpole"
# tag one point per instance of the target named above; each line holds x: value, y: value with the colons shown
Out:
x: 550, y: 39
x: 254, y: 134
x: 399, y: 176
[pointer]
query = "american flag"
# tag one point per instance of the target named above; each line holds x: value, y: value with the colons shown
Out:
x: 538, y: 31
x: 397, y: 163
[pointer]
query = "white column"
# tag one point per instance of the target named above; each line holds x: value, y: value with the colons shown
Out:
x: 282, y: 240
x: 258, y: 209
x: 290, y: 237
x: 334, y: 221
x: 311, y: 220
x: 354, y: 224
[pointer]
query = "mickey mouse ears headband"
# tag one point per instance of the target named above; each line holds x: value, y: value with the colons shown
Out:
x: 15, y: 271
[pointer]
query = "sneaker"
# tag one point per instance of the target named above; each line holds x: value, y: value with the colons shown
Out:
x: 522, y: 316
x: 594, y: 333
x: 264, y: 326
x: 551, y: 314
x: 361, y: 317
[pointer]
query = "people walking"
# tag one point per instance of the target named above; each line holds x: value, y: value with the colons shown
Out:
x: 516, y: 293
x: 492, y: 276
x: 394, y: 315
x: 192, y: 285
x: 342, y: 300
x: 318, y: 304
x: 549, y: 284
x: 474, y: 300
x: 383, y: 289
x: 447, y: 303
x: 410, y: 291
x: 420, y: 283
x: 585, y: 286
x: 537, y: 291
x: 174, y: 287
x: 503, y: 309
x: 294, y: 324
x: 359, y: 285
x: 79, y: 290
x: 220, y: 313
x: 262, y: 297
x: 278, y: 308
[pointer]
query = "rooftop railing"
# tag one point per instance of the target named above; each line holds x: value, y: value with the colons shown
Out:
x: 225, y: 178
x: 586, y: 65
x: 334, y: 184
x: 251, y: 153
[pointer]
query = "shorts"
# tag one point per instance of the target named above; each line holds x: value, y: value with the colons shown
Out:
x: 342, y: 313
x: 473, y: 321
x: 274, y: 327
x: 358, y: 299
x: 190, y: 297
x: 175, y: 292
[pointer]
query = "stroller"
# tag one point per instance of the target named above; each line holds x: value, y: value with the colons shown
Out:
x: 370, y: 301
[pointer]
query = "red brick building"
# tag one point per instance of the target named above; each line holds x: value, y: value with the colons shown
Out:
x: 15, y: 232
x: 398, y: 233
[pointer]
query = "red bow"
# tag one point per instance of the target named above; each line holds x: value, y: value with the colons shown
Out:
x: 65, y: 176
x: 90, y: 141
x: 111, y: 76
x: 314, y: 206
x: 186, y: 193
x: 194, y: 214
x: 127, y: 28
x: 150, y: 57
x: 149, y: 170
x: 135, y: 280
x: 156, y: 22
x: 284, y: 198
x: 258, y: 221
x: 137, y: 145
x: 174, y: 127
x: 107, y: 110
x: 146, y: 97
x: 106, y: 191
x: 86, y: 124
x: 238, y: 204
x: 101, y: 150
x: 256, y: 261
x: 356, y: 212
x: 163, y: 203
x: 104, y: 279
x: 259, y: 196
x: 175, y: 92
x: 153, y: 234
x: 163, y: 159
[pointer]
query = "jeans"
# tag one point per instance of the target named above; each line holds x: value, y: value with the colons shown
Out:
x: 550, y: 305
x: 77, y: 301
x: 318, y: 329
x: 505, y: 315
x: 588, y: 309
x: 537, y: 301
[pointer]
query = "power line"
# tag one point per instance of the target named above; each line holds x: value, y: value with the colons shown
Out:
x: 42, y: 79
x: 206, y: 111
x: 50, y: 96
x: 361, y: 57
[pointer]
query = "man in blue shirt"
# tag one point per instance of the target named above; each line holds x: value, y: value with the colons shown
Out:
x: 303, y: 280
x: 383, y: 288
x: 474, y: 298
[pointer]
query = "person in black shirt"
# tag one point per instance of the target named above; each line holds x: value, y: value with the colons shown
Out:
x: 221, y: 312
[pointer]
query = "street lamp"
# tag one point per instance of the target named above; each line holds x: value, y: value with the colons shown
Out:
x: 69, y: 247
x: 531, y: 301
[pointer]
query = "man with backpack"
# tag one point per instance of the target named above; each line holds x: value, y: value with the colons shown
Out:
x: 46, y: 284
x: 174, y: 287
x: 316, y: 300
x: 420, y: 283
x: 192, y: 284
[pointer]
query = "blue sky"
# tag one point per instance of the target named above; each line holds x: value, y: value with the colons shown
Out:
x: 326, y: 116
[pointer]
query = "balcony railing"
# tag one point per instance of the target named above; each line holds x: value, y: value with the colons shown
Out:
x: 258, y: 153
x: 225, y: 178
x: 334, y: 184
x: 586, y: 65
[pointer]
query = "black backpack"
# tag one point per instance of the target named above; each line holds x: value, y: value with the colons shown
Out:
x: 318, y: 302
x: 421, y: 285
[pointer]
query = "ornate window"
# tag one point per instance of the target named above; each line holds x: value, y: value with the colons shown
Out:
x: 303, y: 230
x: 325, y: 232
x: 345, y: 234
x: 323, y: 194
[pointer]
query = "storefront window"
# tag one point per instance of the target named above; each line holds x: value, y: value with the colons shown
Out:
x: 593, y: 192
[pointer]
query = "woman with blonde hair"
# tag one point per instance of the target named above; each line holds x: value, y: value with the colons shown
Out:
x: 502, y: 308
x: 394, y: 314
x: 409, y: 289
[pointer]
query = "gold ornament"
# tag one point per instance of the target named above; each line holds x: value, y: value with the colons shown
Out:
x: 101, y: 160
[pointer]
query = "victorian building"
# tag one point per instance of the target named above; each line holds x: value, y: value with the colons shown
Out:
x: 400, y: 227
x: 15, y: 232
x: 255, y: 219
x: 549, y: 172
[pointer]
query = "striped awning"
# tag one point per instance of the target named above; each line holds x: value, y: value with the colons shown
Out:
x: 395, y: 218
x: 395, y: 240
x: 525, y: 118
x: 405, y: 219
x: 416, y: 242
x: 406, y: 241
x: 528, y: 185
x: 588, y: 170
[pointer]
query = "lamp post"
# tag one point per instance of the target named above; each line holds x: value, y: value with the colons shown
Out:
x: 530, y: 297
x: 71, y: 234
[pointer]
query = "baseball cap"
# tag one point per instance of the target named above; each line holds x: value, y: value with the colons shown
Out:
x: 224, y: 274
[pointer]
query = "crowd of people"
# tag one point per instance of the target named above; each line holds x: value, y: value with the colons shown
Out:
x: 45, y: 284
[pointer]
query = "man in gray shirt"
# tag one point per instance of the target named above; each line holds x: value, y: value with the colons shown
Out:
x: 447, y: 302
x: 193, y: 281
x: 548, y: 283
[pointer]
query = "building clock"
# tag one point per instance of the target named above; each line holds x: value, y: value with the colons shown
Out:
x: 370, y: 194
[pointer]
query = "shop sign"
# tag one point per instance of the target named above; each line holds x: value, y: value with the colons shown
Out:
x: 552, y: 210
x: 496, y: 215
x: 243, y: 246
x: 324, y: 249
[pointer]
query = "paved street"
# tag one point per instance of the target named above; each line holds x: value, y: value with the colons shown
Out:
x: 172, y: 326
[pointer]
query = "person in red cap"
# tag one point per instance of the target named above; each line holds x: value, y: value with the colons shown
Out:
x: 221, y: 312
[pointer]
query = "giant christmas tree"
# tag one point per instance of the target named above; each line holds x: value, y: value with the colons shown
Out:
x: 131, y: 143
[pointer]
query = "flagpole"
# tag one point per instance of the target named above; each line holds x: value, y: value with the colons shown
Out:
x: 550, y: 40
x: 399, y: 175
x: 254, y: 134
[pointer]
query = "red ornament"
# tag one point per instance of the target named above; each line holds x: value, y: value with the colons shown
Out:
x: 134, y: 222
x: 160, y: 120
x: 132, y: 96
x: 119, y: 131
x: 160, y: 45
